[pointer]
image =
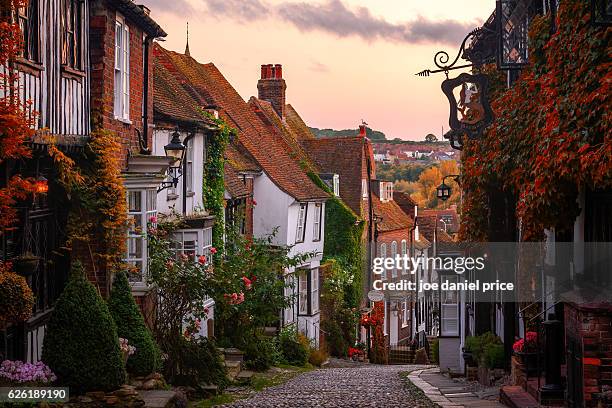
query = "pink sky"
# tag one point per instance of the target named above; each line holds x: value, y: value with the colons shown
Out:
x: 343, y: 60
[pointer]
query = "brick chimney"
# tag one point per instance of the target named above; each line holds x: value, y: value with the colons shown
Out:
x: 271, y: 87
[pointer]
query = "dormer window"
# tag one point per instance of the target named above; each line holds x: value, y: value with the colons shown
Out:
x: 386, y: 191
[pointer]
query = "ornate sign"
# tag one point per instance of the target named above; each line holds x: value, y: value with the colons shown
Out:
x: 470, y: 111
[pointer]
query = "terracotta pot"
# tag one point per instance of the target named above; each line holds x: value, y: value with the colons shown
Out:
x: 530, y: 361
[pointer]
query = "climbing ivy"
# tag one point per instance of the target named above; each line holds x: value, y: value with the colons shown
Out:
x: 213, y: 187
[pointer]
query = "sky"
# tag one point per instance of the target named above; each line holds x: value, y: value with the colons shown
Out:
x: 343, y: 60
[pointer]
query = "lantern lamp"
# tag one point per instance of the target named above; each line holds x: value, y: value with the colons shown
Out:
x: 175, y: 149
x: 41, y: 186
x: 443, y: 192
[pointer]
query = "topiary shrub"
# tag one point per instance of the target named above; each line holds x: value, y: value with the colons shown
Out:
x: 131, y: 326
x: 200, y: 364
x: 81, y: 345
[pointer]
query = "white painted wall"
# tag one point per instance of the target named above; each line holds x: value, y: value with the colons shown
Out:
x: 271, y: 209
x: 166, y: 202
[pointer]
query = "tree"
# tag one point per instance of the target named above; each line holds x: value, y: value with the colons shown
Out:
x: 431, y: 138
x: 81, y: 345
x: 131, y: 326
x: 428, y: 182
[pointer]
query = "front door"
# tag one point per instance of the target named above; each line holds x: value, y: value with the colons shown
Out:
x: 394, y: 325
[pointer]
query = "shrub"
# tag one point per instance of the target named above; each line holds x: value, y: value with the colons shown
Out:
x: 81, y: 345
x: 318, y: 357
x: 17, y: 299
x: 494, y: 356
x: 262, y: 353
x: 334, y: 338
x: 435, y: 351
x: 200, y: 363
x: 294, y: 351
x: 131, y: 326
x: 477, y: 345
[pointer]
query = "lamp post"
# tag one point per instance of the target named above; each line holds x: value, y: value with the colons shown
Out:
x: 175, y: 150
x: 443, y: 191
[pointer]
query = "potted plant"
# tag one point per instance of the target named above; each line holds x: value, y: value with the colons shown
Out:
x: 26, y: 264
x: 527, y: 350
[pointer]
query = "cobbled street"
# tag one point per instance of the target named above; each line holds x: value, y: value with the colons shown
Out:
x: 365, y: 386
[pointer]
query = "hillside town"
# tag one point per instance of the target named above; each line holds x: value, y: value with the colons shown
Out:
x: 168, y: 242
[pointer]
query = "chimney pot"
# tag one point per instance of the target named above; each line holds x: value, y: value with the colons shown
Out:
x: 268, y: 71
x: 279, y: 71
x: 263, y: 71
x: 271, y: 87
x: 362, y: 130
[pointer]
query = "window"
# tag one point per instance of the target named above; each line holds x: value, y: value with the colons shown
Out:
x: 122, y: 69
x: 393, y: 255
x: 336, y: 185
x: 186, y: 243
x: 404, y: 252
x: 189, y: 166
x: 314, y: 291
x: 450, y: 310
x: 142, y: 209
x: 386, y: 191
x: 303, y: 293
x: 301, y: 223
x: 316, y: 232
x: 405, y: 313
x: 383, y: 254
x: 27, y: 19
x: 171, y: 191
x: 289, y: 312
x: 364, y: 188
x: 71, y: 33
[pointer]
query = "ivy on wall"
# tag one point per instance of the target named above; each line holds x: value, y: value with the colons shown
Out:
x: 213, y: 187
x: 552, y: 133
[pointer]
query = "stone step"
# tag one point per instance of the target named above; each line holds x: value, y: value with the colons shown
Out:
x: 158, y: 398
x: 515, y: 396
x: 244, y: 377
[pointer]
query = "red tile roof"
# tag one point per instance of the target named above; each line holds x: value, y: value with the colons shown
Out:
x: 233, y: 183
x: 405, y: 202
x: 209, y: 87
x: 427, y: 226
x: 393, y: 217
x: 240, y: 159
x: 298, y: 126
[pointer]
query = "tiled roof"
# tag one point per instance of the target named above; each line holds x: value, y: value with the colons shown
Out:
x: 136, y: 13
x: 393, y: 218
x: 405, y: 202
x: 453, y: 226
x: 427, y: 226
x: 233, y: 183
x: 342, y: 156
x: 171, y: 103
x: 240, y: 159
x: 267, y: 148
x: 297, y: 125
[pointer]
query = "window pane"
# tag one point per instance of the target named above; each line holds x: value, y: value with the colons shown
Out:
x: 303, y: 286
x: 134, y: 201
x: 151, y: 200
x: 135, y: 245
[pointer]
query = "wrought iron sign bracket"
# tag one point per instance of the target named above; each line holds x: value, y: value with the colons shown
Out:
x: 441, y: 58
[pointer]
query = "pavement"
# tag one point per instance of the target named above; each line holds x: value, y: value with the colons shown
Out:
x: 449, y: 393
x: 366, y: 385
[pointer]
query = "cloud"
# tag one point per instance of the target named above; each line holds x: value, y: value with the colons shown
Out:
x: 335, y: 18
x: 332, y: 17
x: 316, y: 66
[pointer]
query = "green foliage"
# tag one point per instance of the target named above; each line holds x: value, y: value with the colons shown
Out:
x: 317, y: 357
x: 131, y: 326
x: 494, y: 356
x: 81, y: 345
x: 262, y: 353
x: 435, y: 351
x: 371, y: 134
x: 199, y: 363
x: 407, y: 172
x: 335, y: 338
x: 294, y: 349
x: 213, y: 183
x: 478, y: 345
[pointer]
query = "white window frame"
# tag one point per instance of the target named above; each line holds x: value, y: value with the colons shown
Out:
x: 383, y: 255
x: 393, y: 255
x: 404, y: 252
x: 189, y: 175
x: 300, y: 230
x: 314, y: 291
x: 179, y: 241
x: 336, y: 185
x: 316, y: 225
x: 449, y: 309
x: 289, y: 290
x: 122, y: 70
x: 364, y: 189
x: 303, y: 293
x: 405, y: 313
x: 138, y: 231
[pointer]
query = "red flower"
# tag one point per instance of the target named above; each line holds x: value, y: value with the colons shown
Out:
x: 153, y: 219
x: 201, y: 259
x: 247, y: 282
x: 254, y: 202
x: 213, y: 250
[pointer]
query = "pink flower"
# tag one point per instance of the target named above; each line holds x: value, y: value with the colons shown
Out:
x: 201, y: 259
x: 247, y: 282
x: 153, y: 219
x: 531, y: 337
x: 254, y: 202
x: 213, y: 250
x: 169, y: 264
x: 184, y: 257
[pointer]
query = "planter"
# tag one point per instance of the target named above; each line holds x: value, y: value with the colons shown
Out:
x: 26, y: 265
x: 529, y: 361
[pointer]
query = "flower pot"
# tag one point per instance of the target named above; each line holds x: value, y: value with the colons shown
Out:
x: 530, y: 361
x: 26, y: 265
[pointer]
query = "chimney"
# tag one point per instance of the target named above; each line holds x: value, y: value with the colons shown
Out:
x: 362, y: 130
x: 271, y: 87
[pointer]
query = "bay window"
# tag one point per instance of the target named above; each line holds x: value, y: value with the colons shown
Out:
x: 142, y: 210
x: 122, y: 70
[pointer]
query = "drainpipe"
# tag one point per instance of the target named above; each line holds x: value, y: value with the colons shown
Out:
x: 144, y: 142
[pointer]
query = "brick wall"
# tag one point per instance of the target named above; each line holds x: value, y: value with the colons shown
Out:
x: 591, y: 326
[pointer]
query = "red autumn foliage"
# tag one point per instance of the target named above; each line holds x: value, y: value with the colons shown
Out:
x: 16, y: 119
x: 552, y: 134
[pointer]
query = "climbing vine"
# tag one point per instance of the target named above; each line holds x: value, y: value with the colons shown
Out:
x: 552, y: 129
x: 213, y: 183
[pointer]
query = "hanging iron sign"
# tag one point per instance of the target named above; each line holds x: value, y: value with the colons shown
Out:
x: 470, y: 111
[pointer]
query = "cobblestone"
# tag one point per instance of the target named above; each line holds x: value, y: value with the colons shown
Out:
x: 364, y: 386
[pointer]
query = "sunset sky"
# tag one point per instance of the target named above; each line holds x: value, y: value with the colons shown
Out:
x: 343, y: 60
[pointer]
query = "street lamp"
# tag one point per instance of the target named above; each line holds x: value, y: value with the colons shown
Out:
x: 444, y: 191
x: 175, y: 150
